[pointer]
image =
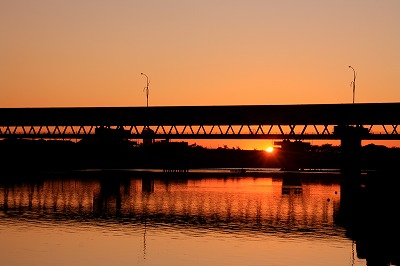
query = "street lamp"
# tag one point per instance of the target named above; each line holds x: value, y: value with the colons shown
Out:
x: 146, y: 89
x: 353, y: 83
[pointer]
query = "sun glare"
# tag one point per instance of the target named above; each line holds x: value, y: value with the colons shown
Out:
x: 269, y: 149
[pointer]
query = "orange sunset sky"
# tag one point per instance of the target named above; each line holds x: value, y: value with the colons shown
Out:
x: 91, y: 53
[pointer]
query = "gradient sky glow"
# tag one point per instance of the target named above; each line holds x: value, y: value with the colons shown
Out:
x: 91, y: 53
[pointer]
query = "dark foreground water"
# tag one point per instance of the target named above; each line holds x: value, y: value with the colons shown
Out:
x: 209, y: 218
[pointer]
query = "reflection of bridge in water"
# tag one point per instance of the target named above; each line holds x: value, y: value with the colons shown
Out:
x: 265, y: 205
x: 281, y: 206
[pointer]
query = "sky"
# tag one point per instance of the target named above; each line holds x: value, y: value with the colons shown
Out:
x: 197, y: 53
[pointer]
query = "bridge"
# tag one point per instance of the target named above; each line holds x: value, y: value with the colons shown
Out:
x: 379, y: 121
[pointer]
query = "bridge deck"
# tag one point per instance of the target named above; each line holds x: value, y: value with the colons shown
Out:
x: 306, y: 121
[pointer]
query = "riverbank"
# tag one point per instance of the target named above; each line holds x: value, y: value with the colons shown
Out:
x: 41, y: 155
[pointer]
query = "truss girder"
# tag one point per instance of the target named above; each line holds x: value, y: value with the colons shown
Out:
x: 202, y: 131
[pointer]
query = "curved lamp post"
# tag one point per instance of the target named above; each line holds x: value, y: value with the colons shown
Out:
x: 353, y: 82
x: 146, y: 89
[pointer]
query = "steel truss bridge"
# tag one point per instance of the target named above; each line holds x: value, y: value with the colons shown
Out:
x: 294, y: 122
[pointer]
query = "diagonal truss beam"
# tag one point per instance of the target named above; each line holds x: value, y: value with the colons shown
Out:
x: 201, y: 131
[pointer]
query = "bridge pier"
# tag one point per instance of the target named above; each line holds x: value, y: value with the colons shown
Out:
x: 350, y: 143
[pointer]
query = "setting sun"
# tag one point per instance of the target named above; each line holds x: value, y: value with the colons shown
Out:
x: 269, y: 149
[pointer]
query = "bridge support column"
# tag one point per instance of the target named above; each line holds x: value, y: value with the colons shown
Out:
x: 350, y: 143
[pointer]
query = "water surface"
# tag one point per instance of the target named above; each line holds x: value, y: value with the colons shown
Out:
x: 105, y: 218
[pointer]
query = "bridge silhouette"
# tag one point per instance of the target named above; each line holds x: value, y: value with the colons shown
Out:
x: 379, y: 121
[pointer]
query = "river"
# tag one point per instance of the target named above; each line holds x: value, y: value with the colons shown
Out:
x: 205, y: 217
